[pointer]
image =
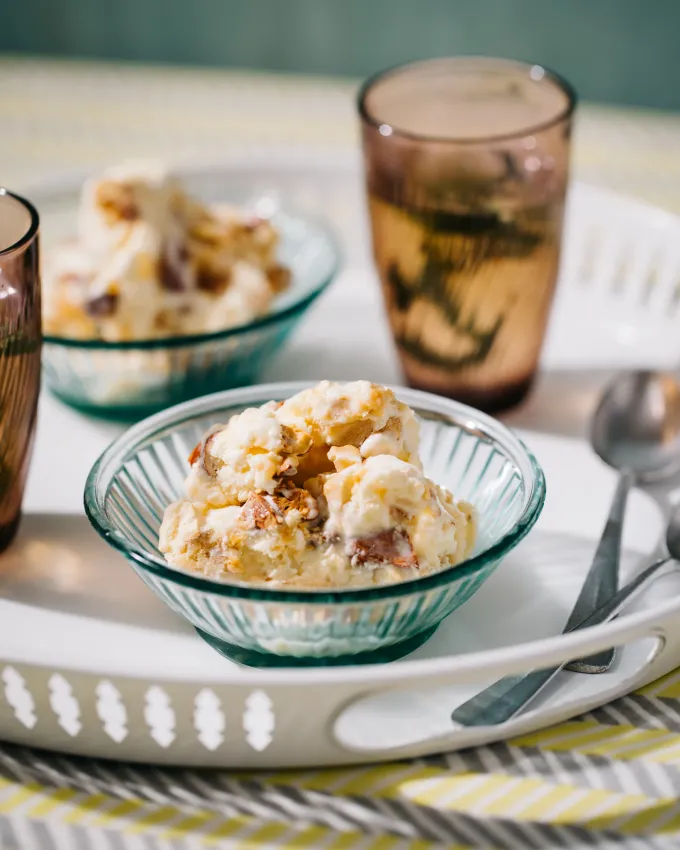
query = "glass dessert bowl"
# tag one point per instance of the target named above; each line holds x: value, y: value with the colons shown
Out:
x: 472, y: 455
x: 154, y: 296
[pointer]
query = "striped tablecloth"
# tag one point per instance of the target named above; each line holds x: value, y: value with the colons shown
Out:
x: 611, y: 778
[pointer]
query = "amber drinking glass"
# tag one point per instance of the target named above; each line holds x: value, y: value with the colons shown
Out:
x: 466, y: 163
x: 20, y: 341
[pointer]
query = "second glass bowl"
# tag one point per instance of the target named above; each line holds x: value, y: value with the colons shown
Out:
x: 129, y: 380
x: 471, y: 454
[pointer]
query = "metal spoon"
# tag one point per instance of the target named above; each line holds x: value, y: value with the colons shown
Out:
x: 635, y: 430
x: 509, y: 696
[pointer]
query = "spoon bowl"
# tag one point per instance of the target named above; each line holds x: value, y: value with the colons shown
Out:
x: 636, y: 426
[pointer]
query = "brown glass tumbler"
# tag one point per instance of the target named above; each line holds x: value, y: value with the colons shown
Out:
x: 466, y: 163
x: 20, y: 343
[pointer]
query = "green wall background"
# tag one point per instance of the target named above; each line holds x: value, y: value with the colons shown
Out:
x: 620, y: 51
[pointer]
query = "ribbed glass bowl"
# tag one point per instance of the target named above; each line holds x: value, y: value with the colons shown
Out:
x: 470, y: 453
x: 129, y: 380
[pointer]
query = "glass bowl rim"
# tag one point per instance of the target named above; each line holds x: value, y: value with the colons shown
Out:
x: 179, y: 413
x: 305, y: 299
x: 372, y: 121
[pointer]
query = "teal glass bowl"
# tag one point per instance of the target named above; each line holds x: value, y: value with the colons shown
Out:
x: 130, y: 380
x: 473, y: 455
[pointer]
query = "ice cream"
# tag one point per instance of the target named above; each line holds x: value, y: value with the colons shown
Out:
x: 323, y: 490
x: 149, y: 262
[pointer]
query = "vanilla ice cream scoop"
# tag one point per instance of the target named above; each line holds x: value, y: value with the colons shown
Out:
x: 323, y: 490
x: 126, y: 194
x: 149, y: 262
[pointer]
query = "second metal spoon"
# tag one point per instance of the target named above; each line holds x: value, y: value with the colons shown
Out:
x: 635, y: 430
x: 509, y: 696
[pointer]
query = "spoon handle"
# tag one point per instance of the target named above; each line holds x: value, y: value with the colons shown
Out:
x: 509, y: 696
x: 602, y: 580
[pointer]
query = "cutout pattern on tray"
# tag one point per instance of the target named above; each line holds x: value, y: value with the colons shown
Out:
x: 111, y: 711
x: 208, y: 717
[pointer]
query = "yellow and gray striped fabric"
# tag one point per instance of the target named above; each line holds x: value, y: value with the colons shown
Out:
x: 611, y: 778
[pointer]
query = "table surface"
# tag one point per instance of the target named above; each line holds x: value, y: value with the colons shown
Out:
x: 611, y: 778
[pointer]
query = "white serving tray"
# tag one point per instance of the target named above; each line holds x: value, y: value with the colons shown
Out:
x: 92, y: 663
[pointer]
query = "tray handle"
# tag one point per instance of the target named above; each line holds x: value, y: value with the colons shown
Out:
x: 391, y: 720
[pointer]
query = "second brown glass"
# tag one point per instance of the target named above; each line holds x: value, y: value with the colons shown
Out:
x: 466, y: 167
x: 20, y: 343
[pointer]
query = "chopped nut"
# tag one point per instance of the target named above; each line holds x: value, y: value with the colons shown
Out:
x: 294, y: 442
x: 169, y: 275
x: 102, y: 306
x: 265, y: 511
x: 288, y: 468
x: 386, y: 547
x: 276, y: 510
x: 257, y: 513
x: 201, y: 452
x: 299, y: 500
x: 211, y: 464
x: 117, y: 202
x: 279, y: 278
x: 315, y: 537
x: 212, y: 280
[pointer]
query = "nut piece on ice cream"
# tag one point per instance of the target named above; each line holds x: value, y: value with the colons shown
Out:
x: 390, y: 515
x: 149, y: 262
x: 323, y: 490
x: 389, y: 548
x: 237, y: 459
x: 360, y: 414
